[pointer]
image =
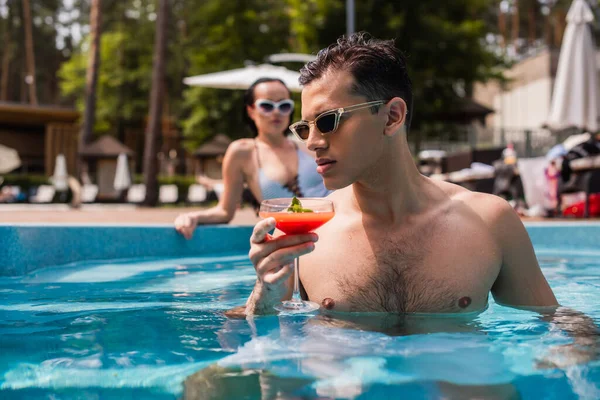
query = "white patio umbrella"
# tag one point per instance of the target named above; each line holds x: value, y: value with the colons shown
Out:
x: 122, y: 177
x: 9, y: 159
x: 242, y: 78
x: 576, y: 100
x: 60, y: 177
x: 290, y: 57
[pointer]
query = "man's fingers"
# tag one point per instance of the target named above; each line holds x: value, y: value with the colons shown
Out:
x: 282, y: 274
x: 290, y: 240
x: 282, y: 257
x: 261, y: 230
x: 259, y: 252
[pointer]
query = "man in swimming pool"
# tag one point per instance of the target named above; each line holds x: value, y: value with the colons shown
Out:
x: 399, y: 242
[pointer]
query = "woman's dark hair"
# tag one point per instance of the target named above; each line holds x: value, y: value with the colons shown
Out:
x: 249, y: 101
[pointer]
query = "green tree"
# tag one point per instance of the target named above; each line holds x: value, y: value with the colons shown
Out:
x: 443, y: 42
x: 225, y: 35
x: 91, y: 83
x: 124, y: 77
x: 45, y: 27
x: 112, y: 79
x: 436, y: 38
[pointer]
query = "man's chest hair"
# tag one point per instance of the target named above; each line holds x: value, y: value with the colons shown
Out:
x: 424, y: 268
x: 397, y: 277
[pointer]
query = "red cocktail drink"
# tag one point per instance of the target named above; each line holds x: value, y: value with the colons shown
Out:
x: 294, y: 217
x: 292, y: 223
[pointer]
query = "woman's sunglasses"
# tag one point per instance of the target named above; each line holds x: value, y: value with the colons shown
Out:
x: 265, y: 106
x: 328, y: 121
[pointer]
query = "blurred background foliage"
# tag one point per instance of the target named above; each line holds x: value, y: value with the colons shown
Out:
x: 449, y: 46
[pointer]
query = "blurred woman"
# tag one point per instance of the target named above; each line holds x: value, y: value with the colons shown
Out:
x: 270, y: 165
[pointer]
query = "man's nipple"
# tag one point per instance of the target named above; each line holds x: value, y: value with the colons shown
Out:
x: 328, y: 303
x: 464, y: 302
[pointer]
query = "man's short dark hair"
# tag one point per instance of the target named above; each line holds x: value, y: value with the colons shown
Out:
x: 378, y: 68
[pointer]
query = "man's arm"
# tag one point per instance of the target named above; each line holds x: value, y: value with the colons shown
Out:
x: 272, y: 257
x: 585, y: 334
x: 263, y: 299
x: 520, y: 281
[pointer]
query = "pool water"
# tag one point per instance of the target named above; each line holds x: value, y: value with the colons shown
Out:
x: 138, y: 328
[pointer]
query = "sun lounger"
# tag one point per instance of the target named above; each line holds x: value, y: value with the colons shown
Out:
x: 197, y: 193
x: 219, y: 188
x: 585, y: 163
x: 89, y: 193
x: 585, y: 177
x: 168, y: 194
x: 11, y: 194
x: 45, y: 194
x: 136, y: 193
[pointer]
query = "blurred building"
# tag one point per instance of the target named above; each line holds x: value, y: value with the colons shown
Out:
x: 39, y: 134
x: 100, y: 163
x: 208, y: 158
x: 171, y: 153
x: 524, y: 102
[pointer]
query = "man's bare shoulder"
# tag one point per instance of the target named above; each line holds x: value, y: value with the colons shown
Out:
x: 341, y: 199
x: 345, y: 215
x: 492, y: 209
x: 338, y: 195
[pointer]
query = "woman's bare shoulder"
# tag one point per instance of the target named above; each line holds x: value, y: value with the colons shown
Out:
x: 241, y: 147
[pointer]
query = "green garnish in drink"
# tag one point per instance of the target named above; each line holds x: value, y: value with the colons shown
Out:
x: 296, y: 207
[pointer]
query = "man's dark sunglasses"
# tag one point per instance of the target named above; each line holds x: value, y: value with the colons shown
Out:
x: 328, y: 121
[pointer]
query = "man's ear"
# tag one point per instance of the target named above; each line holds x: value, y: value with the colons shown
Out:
x: 397, y: 110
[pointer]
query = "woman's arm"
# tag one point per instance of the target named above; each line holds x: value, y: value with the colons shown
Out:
x: 236, y: 157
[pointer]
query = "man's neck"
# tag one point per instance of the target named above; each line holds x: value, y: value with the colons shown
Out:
x: 393, y: 189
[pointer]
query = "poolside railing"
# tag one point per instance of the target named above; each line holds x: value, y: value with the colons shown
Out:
x: 527, y: 142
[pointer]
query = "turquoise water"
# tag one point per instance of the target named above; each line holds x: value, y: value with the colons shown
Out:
x: 138, y: 328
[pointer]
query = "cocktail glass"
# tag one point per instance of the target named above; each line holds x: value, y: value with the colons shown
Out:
x: 316, y: 212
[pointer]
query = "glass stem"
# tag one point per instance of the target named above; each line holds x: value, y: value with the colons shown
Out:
x: 296, y: 294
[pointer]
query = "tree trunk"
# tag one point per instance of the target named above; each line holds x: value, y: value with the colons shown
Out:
x: 502, y: 27
x: 89, y: 116
x: 531, y: 23
x: 153, y: 129
x: 548, y: 30
x: 29, y: 53
x: 6, y: 56
x: 515, y: 25
x: 23, y: 88
x: 559, y: 27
